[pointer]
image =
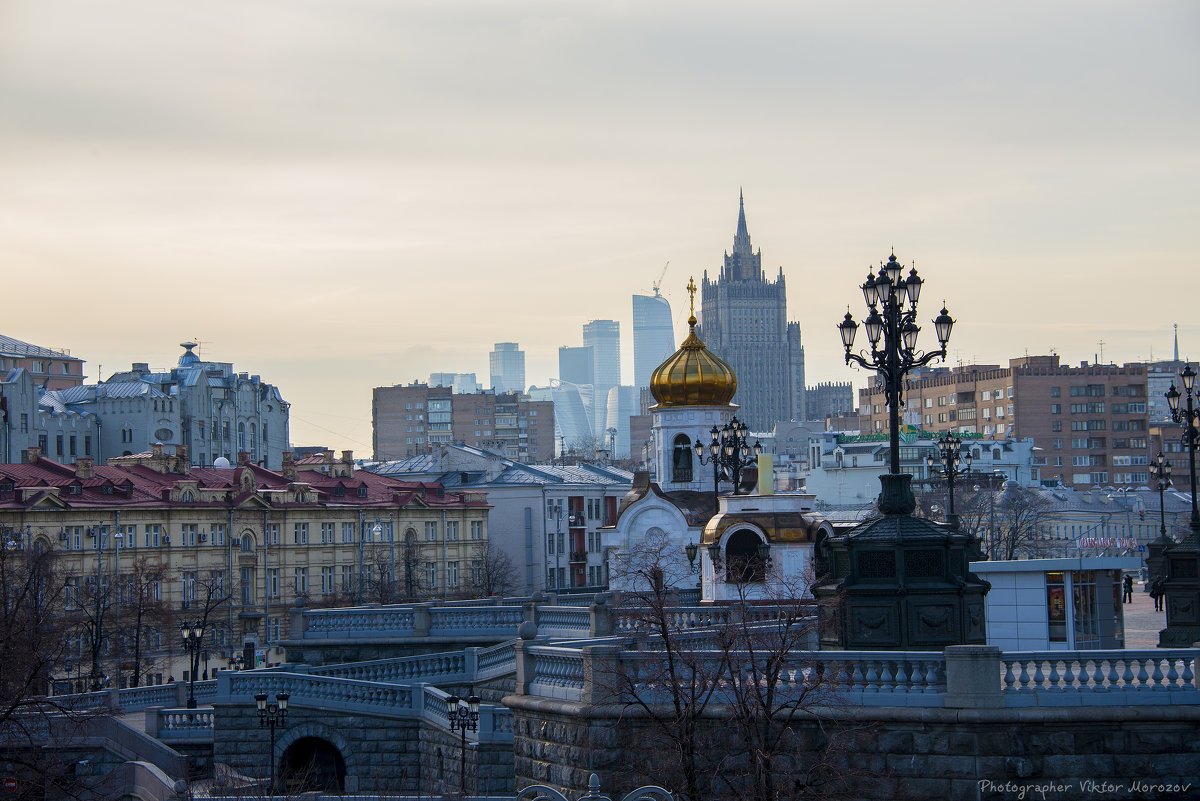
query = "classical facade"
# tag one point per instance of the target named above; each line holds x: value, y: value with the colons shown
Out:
x: 206, y: 407
x: 744, y: 318
x: 239, y: 545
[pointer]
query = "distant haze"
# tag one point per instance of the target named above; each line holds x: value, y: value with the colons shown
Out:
x: 340, y: 195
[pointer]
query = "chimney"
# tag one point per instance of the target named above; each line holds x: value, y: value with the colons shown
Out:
x: 32, y: 455
x: 243, y: 458
x: 84, y: 468
x: 156, y: 450
x: 289, y: 466
x: 183, y: 465
x: 327, y: 456
x: 348, y: 457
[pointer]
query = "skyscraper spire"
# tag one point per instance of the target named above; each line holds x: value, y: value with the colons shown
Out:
x: 1176, y: 341
x: 742, y: 232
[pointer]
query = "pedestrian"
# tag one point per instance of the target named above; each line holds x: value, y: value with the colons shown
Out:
x: 1128, y: 596
x: 1156, y: 592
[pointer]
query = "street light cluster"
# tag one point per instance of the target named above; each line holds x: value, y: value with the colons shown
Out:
x: 192, y: 634
x: 892, y: 331
x: 952, y: 461
x: 272, y: 715
x: 463, y: 719
x: 728, y: 452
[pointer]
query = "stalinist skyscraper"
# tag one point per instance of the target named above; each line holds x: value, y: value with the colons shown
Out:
x: 744, y: 318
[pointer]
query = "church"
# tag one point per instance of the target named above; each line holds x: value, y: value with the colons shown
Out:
x: 748, y: 543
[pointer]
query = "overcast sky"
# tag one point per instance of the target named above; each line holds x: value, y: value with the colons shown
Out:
x: 342, y: 195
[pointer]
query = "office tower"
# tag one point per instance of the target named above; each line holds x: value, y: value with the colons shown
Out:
x: 575, y: 365
x: 508, y: 367
x: 653, y: 335
x: 744, y: 318
x: 464, y: 383
x: 604, y: 338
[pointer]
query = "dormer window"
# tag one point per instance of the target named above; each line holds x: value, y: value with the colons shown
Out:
x: 362, y: 492
x: 74, y: 489
x: 6, y: 486
x: 106, y: 489
x: 339, y: 491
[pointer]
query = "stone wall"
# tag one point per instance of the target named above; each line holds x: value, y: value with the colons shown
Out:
x: 897, y: 752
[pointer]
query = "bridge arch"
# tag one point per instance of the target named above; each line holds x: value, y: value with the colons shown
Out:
x: 320, y: 754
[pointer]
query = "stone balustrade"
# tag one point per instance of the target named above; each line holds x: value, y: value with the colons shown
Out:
x: 384, y: 621
x: 1108, y: 678
x: 453, y: 666
x: 317, y: 691
x: 175, y: 726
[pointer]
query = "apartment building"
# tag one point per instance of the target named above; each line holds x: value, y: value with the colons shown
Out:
x: 50, y: 368
x: 1089, y: 423
x: 409, y: 420
x: 151, y: 533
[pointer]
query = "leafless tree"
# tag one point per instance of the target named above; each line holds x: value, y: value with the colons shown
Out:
x: 145, y: 616
x: 492, y: 571
x: 33, y: 630
x: 1007, y: 522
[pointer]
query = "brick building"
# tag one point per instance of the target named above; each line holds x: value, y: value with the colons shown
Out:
x: 1089, y: 423
x: 408, y: 420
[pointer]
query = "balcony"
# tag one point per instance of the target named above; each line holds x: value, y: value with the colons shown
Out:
x: 578, y: 556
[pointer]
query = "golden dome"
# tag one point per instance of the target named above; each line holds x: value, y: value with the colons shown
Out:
x: 693, y: 375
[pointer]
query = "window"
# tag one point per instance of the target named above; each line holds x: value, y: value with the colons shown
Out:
x: 431, y: 575
x: 326, y: 580
x: 272, y: 533
x: 300, y: 533
x: 431, y: 532
x: 188, y: 530
x: 247, y: 545
x: 301, y: 581
x: 189, y: 587
x: 247, y: 583
x: 347, y: 532
x: 681, y: 460
x: 347, y: 578
x: 452, y: 574
x: 272, y: 582
x: 476, y: 529
x: 451, y: 533
x: 1056, y: 408
x: 218, y: 533
x: 327, y: 533
x: 152, y: 532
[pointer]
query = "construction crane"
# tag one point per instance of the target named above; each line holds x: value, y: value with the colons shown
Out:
x: 658, y: 283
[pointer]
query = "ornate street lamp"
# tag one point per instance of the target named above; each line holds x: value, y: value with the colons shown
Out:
x: 1181, y: 562
x: 192, y: 634
x: 272, y: 715
x: 1188, y: 416
x: 892, y: 332
x: 729, y: 452
x: 463, y: 719
x: 1160, y: 473
x: 952, y: 461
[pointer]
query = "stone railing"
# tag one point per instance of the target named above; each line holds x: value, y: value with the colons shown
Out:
x: 181, y: 725
x: 136, y: 699
x: 317, y: 691
x: 961, y: 677
x: 475, y: 620
x: 384, y: 621
x: 1108, y: 678
x: 450, y: 666
x: 498, y: 660
x: 494, y: 725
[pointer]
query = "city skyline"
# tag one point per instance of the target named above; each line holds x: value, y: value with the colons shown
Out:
x: 342, y: 198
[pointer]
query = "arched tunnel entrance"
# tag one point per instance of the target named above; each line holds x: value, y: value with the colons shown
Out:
x: 312, y: 763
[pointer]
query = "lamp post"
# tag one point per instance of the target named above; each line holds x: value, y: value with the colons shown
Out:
x: 952, y: 461
x: 1188, y: 416
x: 892, y: 330
x: 272, y: 715
x: 463, y: 719
x: 1160, y: 473
x: 729, y: 452
x: 192, y: 635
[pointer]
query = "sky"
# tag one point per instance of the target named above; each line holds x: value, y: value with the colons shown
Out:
x: 343, y: 195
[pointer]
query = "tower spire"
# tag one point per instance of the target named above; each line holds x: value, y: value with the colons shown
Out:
x: 742, y: 232
x: 1176, y: 341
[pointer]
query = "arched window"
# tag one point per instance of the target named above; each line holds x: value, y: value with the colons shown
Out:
x: 253, y: 442
x: 681, y: 460
x: 247, y: 543
x: 241, y: 436
x: 743, y: 565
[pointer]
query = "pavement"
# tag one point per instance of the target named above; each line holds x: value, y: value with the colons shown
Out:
x: 1142, y: 623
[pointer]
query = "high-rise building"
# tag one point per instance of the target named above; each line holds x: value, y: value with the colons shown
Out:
x: 829, y: 399
x: 575, y: 364
x: 744, y: 318
x: 464, y: 383
x: 604, y: 338
x: 653, y: 335
x: 508, y: 367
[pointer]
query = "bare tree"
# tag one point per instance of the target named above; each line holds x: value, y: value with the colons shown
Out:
x: 492, y: 571
x: 33, y: 631
x: 1006, y: 522
x: 146, y: 614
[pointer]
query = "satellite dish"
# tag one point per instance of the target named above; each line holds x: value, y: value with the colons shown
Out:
x: 220, y: 462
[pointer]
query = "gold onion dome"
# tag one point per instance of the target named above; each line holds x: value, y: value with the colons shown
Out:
x: 693, y: 375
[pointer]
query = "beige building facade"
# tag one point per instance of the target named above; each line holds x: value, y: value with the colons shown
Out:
x: 146, y: 544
